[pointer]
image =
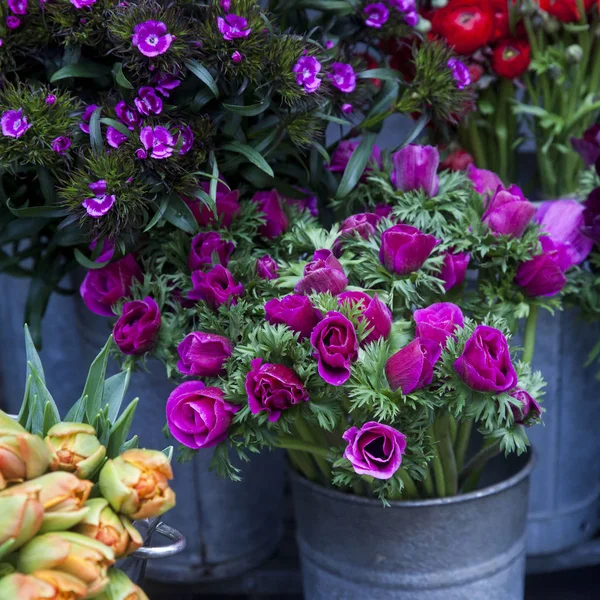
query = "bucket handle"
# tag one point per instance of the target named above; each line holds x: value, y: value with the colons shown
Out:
x: 178, y: 543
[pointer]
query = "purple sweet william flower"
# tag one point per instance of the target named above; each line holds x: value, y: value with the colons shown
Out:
x: 485, y: 364
x: 207, y: 246
x: 343, y: 77
x: 266, y: 268
x: 509, y: 212
x: 588, y: 146
x: 454, y: 269
x: 347, y: 108
x: 306, y: 69
x: 14, y: 124
x: 114, y: 137
x: 270, y: 205
x: 165, y: 83
x: 137, y: 328
x: 415, y: 168
x: 61, y: 144
x: 591, y: 216
x: 543, y: 275
x: 151, y: 38
x: 411, y: 368
x: 216, y: 287
x: 183, y: 138
x: 102, y: 288
x: 273, y: 388
x: 323, y: 274
x: 528, y: 411
x: 148, y: 102
x: 228, y: 206
x: 374, y: 311
x: 225, y: 5
x: 411, y: 18
x: 127, y: 115
x: 13, y: 22
x: 336, y: 347
x: 107, y: 250
x: 297, y: 312
x: 377, y: 14
x: 85, y: 118
x: 563, y: 220
x: 237, y: 57
x: 460, y: 73
x: 158, y: 141
x: 404, y: 249
x: 345, y: 149
x: 233, y: 27
x: 438, y: 322
x: 19, y: 7
x: 203, y: 354
x: 485, y: 182
x: 375, y: 449
x: 101, y: 203
x: 198, y: 416
x: 82, y: 3
x: 50, y: 100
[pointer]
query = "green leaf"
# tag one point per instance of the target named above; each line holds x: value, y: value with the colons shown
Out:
x: 115, y: 388
x: 129, y: 444
x: 158, y: 215
x: 251, y: 154
x: 120, y: 78
x: 26, y: 405
x: 83, y: 69
x: 168, y: 452
x: 250, y: 110
x: 178, y: 213
x: 45, y: 410
x: 356, y: 165
x: 385, y: 99
x: 94, y: 385
x: 384, y: 74
x: 202, y: 73
x: 76, y: 413
x: 48, y: 212
x: 206, y: 200
x: 46, y: 184
x: 338, y: 6
x: 33, y: 358
x: 51, y: 417
x: 86, y: 262
x: 319, y: 148
x: 120, y: 430
x: 96, y: 132
x: 332, y: 119
x: 117, y: 125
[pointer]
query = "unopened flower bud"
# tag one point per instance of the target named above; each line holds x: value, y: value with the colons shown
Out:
x: 574, y: 53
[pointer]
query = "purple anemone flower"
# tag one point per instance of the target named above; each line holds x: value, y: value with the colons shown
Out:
x: 232, y: 27
x: 343, y: 77
x: 306, y: 70
x: 101, y: 203
x: 151, y: 38
x: 148, y: 102
x: 14, y: 124
x: 156, y: 140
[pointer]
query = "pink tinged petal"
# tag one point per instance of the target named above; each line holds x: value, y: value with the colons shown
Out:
x: 99, y: 206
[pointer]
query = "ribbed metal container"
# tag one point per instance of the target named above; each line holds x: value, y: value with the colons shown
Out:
x: 469, y: 547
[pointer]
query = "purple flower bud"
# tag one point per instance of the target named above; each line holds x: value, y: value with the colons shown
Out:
x: 415, y: 168
x: 61, y: 144
x: 82, y: 3
x: 225, y: 5
x: 411, y: 368
x: 323, y: 274
x: 114, y: 137
x: 362, y: 224
x: 309, y: 202
x: 158, y: 140
x: 151, y: 38
x: 19, y: 7
x: 460, y: 73
x: 528, y: 412
x: 377, y: 15
x: 101, y: 203
x: 342, y: 154
x: 50, y: 100
x: 13, y: 22
x: 203, y: 354
x: 591, y: 216
x: 233, y: 27
x: 411, y: 18
x: 228, y: 206
x: 14, y: 124
x: 165, y: 83
x: 374, y: 311
x: 589, y: 145
x: 485, y: 364
x: 375, y: 449
x: 215, y: 287
x: 336, y: 347
x: 509, y: 212
x: 198, y: 416
x: 543, y: 275
x: 107, y: 251
x: 454, y: 269
x: 276, y: 221
x: 438, y: 322
x: 209, y: 248
x: 137, y: 328
x: 306, y: 69
x: 266, y: 268
x: 343, y: 77
x: 485, y: 182
x: 297, y: 312
x: 148, y: 102
x: 183, y: 135
x: 329, y: 44
x: 127, y: 115
x: 87, y: 115
x: 237, y: 57
x: 404, y: 249
x: 347, y: 108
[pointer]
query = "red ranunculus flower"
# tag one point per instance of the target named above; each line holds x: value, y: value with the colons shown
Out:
x: 564, y: 10
x: 501, y: 20
x: 511, y: 58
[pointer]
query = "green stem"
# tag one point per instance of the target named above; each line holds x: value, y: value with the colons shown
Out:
x: 462, y: 442
x: 290, y: 443
x: 478, y: 462
x: 530, y: 328
x: 427, y: 484
x: 453, y: 428
x: 306, y: 434
x: 476, y: 145
x: 436, y: 465
x: 303, y: 464
x: 410, y: 489
x: 446, y: 450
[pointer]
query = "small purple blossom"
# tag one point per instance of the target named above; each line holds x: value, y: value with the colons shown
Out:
x: 82, y: 3
x: 306, y: 70
x: 14, y: 124
x: 233, y: 27
x: 343, y: 77
x: 19, y: 7
x: 13, y: 22
x: 186, y: 135
x: 148, y: 102
x: 460, y: 73
x: 114, y: 137
x: 127, y: 115
x: 151, y: 38
x: 347, y: 108
x: 225, y: 5
x: 166, y: 83
x: 50, y: 99
x: 237, y: 57
x: 85, y: 118
x: 411, y: 18
x: 101, y: 203
x: 377, y: 15
x: 329, y: 44
x: 158, y: 141
x: 61, y: 144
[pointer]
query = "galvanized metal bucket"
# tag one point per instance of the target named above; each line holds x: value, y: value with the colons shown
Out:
x: 468, y: 547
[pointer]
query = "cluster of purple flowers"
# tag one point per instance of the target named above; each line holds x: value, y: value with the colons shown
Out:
x: 377, y: 14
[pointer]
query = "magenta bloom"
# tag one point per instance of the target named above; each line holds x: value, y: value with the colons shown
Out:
x: 225, y: 5
x: 308, y: 202
x: 588, y: 146
x: 19, y: 7
x: 343, y: 77
x: 114, y: 137
x: 345, y: 149
x: 362, y: 224
x: 404, y: 249
x: 233, y: 27
x: 61, y: 144
x: 591, y: 216
x: 137, y: 328
x: 485, y: 364
x: 203, y: 354
x: 266, y: 268
x: 237, y: 57
x: 85, y: 118
x: 127, y: 115
x: 528, y: 412
x: 377, y: 14
x: 411, y: 368
x: 13, y: 22
x: 228, y: 206
x: 165, y: 83
x: 485, y: 182
x: 438, y: 322
x: 216, y: 287
x: 323, y: 274
x: 101, y: 203
x: 183, y: 138
x: 198, y: 416
x: 82, y: 3
x: 297, y: 312
x: 273, y: 388
x: 148, y: 102
x: 347, y: 108
x: 543, y: 275
x: 415, y: 168
x: 107, y: 250
x: 206, y: 246
x: 375, y: 449
x: 151, y: 38
x: 306, y: 69
x: 102, y: 288
x: 509, y: 212
x: 336, y: 347
x: 454, y: 269
x: 50, y: 100
x: 563, y: 220
x: 276, y: 221
x: 158, y: 141
x: 460, y: 73
x: 374, y: 311
x: 14, y: 124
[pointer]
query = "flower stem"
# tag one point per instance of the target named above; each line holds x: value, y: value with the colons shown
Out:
x: 410, y: 489
x: 428, y: 485
x: 462, y: 442
x: 291, y: 443
x: 303, y: 464
x: 530, y: 328
x: 477, y: 463
x: 446, y: 451
x: 436, y: 465
x: 306, y: 434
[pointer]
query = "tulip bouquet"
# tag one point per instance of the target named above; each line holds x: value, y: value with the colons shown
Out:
x: 69, y: 490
